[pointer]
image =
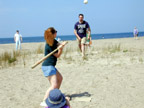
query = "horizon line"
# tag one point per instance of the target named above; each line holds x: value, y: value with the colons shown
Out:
x: 74, y: 34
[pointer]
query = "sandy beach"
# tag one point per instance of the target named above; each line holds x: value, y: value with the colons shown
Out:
x: 111, y: 76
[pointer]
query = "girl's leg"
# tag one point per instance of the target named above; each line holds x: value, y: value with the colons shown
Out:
x: 55, y: 81
x: 59, y: 78
x: 54, y: 84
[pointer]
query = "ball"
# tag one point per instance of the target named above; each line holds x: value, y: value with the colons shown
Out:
x: 85, y: 1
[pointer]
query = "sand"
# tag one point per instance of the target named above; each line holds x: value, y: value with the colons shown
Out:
x: 111, y: 76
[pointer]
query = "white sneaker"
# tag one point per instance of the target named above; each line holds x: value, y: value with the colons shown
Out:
x: 43, y: 104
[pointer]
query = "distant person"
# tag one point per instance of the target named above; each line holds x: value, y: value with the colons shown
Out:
x: 48, y: 66
x: 135, y: 33
x: 88, y: 40
x: 88, y: 43
x: 80, y: 29
x: 59, y: 39
x: 57, y: 100
x: 18, y: 40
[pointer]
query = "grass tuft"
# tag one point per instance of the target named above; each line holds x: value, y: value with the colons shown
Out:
x: 112, y: 48
x: 125, y: 50
x: 40, y: 49
x: 140, y: 60
x: 11, y: 60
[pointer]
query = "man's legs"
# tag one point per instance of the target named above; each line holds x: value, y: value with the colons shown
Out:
x: 79, y: 44
x: 136, y: 36
x: 83, y: 49
x: 80, y: 47
x: 83, y: 42
x: 16, y: 45
x: 19, y: 44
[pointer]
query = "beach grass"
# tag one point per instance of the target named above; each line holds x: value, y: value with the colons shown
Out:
x: 12, y: 58
x: 141, y: 60
x: 8, y: 58
x: 125, y: 50
x: 24, y: 58
x: 40, y: 49
x: 112, y: 48
x: 108, y: 53
x: 66, y: 55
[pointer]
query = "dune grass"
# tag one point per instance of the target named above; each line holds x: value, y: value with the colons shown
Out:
x: 141, y: 60
x: 125, y: 50
x: 112, y: 48
x: 15, y: 57
x: 40, y: 49
x: 72, y: 55
x: 8, y: 58
x: 67, y: 54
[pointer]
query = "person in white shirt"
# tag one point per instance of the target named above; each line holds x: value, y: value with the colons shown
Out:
x: 135, y: 33
x: 18, y: 39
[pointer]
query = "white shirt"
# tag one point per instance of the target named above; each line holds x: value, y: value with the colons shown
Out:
x: 135, y: 32
x: 17, y: 37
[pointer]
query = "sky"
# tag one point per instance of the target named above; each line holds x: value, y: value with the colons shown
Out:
x: 33, y: 17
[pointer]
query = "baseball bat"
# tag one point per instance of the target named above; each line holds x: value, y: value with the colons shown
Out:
x: 44, y: 58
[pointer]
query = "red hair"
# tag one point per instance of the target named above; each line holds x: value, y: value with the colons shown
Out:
x: 49, y: 36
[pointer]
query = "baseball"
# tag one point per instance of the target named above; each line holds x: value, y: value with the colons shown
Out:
x: 85, y: 1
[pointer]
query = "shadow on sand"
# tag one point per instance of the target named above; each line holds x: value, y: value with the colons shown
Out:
x: 84, y: 94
